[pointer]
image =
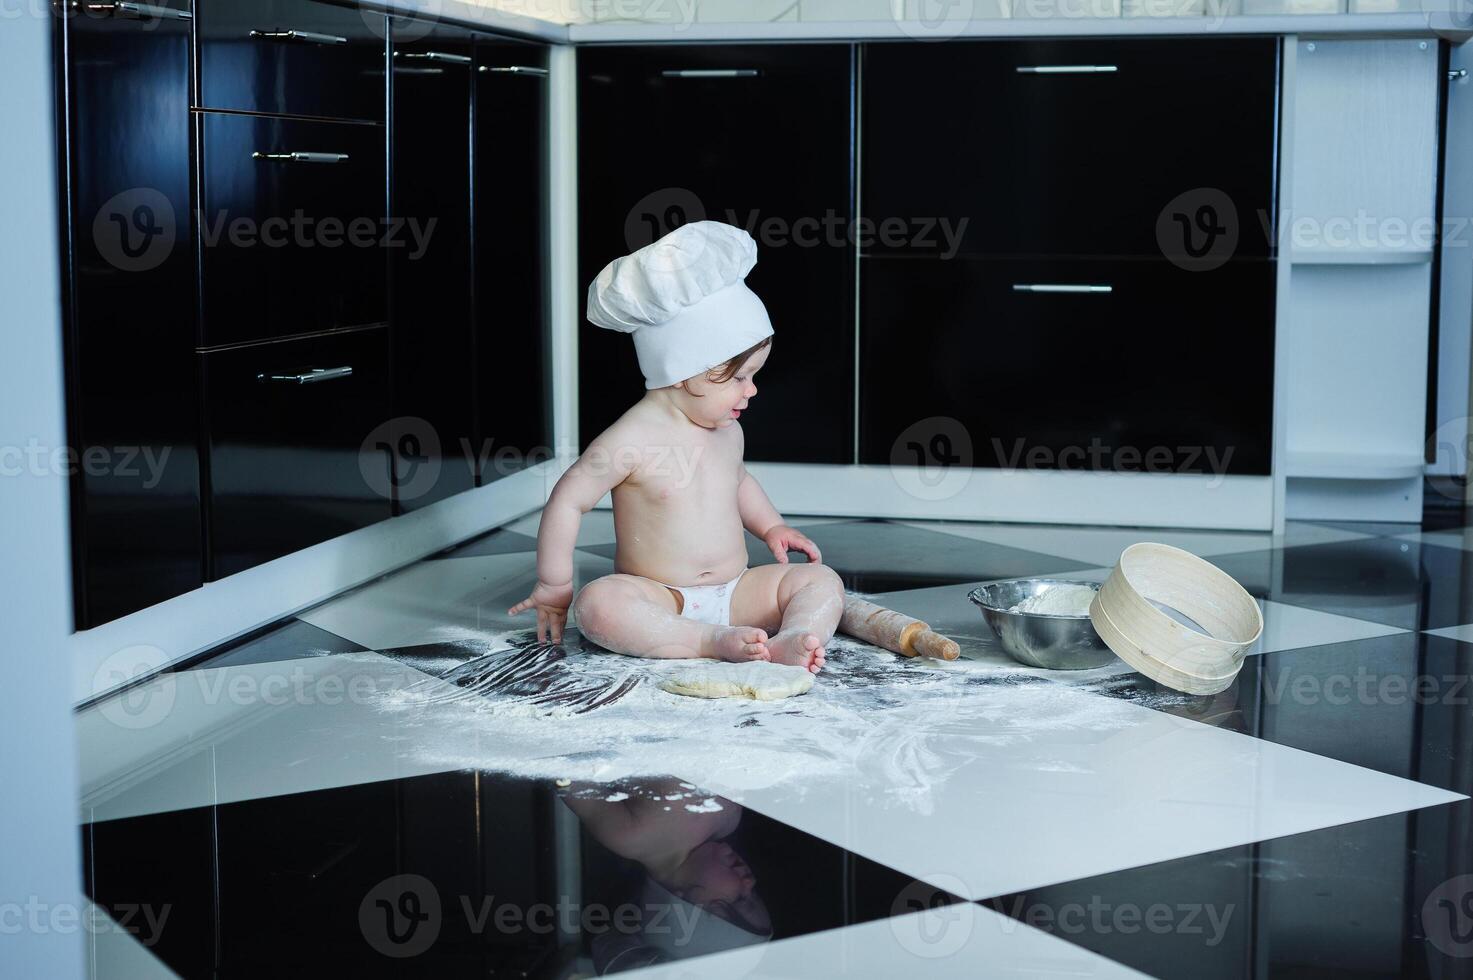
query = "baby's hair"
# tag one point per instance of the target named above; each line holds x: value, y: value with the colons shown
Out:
x: 725, y: 371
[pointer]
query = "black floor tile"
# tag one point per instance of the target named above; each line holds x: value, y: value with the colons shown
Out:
x: 290, y: 640
x: 470, y: 874
x: 1407, y: 584
x: 1387, y: 897
x: 1399, y: 704
x: 498, y: 542
x: 1374, y: 528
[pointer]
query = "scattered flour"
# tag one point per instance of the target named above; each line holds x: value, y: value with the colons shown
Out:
x: 1061, y: 600
x: 898, y: 726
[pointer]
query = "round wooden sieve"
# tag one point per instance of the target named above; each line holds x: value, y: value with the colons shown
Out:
x: 1157, y: 645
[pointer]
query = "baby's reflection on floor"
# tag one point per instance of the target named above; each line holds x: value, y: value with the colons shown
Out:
x: 694, y: 892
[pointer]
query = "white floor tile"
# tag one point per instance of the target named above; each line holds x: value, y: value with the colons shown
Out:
x: 1010, y: 803
x: 596, y: 527
x: 1288, y: 627
x: 957, y: 941
x: 1464, y: 633
x: 1459, y: 538
x: 437, y: 601
x: 202, y: 737
x: 1103, y: 545
x: 800, y: 521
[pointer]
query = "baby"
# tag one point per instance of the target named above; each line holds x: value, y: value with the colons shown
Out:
x: 673, y: 461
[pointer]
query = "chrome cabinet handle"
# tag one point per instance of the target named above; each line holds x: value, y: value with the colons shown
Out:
x: 135, y: 11
x: 710, y: 73
x: 440, y: 57
x: 1064, y: 69
x: 311, y: 37
x: 1059, y: 287
x: 530, y: 70
x: 310, y: 376
x: 300, y: 157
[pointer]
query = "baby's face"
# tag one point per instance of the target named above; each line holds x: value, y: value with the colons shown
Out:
x: 722, y: 403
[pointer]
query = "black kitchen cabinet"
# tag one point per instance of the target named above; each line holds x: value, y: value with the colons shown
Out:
x: 1099, y: 294
x: 1088, y: 147
x: 513, y: 345
x: 299, y: 444
x: 1068, y: 364
x: 292, y: 57
x: 292, y: 226
x: 757, y: 136
x: 433, y: 342
x: 130, y: 304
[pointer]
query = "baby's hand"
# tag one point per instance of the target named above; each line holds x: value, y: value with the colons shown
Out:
x: 552, y: 602
x: 783, y: 539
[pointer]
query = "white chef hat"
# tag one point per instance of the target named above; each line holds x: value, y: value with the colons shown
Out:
x: 684, y: 300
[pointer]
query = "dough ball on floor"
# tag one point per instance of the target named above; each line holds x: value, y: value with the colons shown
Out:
x: 758, y: 680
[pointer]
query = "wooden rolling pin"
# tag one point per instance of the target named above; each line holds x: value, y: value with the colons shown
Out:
x: 894, y: 631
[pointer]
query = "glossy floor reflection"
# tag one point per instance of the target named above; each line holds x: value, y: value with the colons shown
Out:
x: 402, y: 782
x: 468, y: 874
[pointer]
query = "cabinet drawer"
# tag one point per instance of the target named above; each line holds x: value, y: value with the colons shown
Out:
x: 293, y: 462
x: 290, y: 245
x: 1094, y: 148
x: 1082, y: 364
x: 298, y: 57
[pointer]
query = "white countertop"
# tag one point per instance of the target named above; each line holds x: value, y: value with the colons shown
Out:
x: 1443, y: 24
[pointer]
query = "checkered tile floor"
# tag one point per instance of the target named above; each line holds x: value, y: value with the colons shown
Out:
x: 1312, y: 820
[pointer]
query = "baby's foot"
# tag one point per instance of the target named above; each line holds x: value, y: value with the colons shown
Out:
x: 799, y: 648
x: 739, y: 643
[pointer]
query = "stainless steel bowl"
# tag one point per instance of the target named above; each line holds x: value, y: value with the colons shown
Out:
x: 1038, y: 639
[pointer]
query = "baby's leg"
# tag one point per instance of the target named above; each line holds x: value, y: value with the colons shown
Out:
x: 809, y: 601
x: 634, y: 615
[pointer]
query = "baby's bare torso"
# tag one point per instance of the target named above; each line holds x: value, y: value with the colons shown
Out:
x: 676, y: 515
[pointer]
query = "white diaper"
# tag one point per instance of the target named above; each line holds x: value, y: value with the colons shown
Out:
x: 708, y: 603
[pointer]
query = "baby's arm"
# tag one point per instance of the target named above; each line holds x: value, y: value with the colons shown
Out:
x: 758, y: 514
x: 763, y: 520
x: 593, y: 474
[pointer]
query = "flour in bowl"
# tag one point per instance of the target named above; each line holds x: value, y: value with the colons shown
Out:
x: 1061, y: 600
